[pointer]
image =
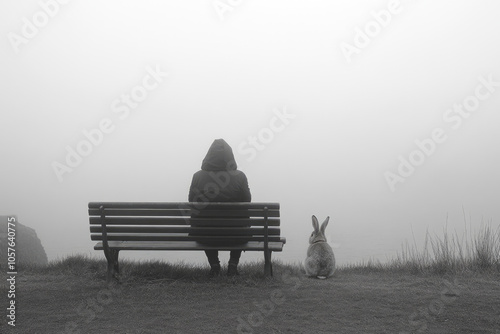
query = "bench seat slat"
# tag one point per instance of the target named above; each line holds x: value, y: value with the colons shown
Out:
x: 183, y: 221
x: 184, y: 213
x: 235, y: 213
x: 234, y: 221
x: 141, y: 212
x: 188, y: 245
x: 178, y: 237
x: 193, y: 230
x: 140, y: 221
x: 184, y: 205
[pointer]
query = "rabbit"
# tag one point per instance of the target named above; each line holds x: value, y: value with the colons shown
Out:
x: 320, y: 260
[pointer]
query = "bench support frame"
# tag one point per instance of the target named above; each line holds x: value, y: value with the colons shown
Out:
x: 268, y: 267
x: 110, y: 254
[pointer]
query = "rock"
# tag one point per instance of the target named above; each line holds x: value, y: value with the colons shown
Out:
x: 29, y: 249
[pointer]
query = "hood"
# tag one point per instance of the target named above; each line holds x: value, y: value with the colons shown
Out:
x: 219, y: 157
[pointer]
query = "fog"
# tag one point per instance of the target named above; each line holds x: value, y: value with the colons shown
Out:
x: 382, y: 115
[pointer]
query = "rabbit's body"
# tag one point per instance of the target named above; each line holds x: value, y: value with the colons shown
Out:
x: 320, y: 260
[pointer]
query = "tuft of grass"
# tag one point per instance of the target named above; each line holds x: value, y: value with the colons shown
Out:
x: 162, y: 272
x: 251, y: 273
x: 364, y: 267
x: 453, y: 254
x: 78, y: 265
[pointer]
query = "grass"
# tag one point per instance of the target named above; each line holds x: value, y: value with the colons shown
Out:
x: 447, y: 254
x: 450, y: 286
x: 453, y: 254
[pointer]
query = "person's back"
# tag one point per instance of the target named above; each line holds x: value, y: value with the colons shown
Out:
x: 219, y: 181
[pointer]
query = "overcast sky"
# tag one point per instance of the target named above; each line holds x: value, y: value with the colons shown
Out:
x: 382, y: 115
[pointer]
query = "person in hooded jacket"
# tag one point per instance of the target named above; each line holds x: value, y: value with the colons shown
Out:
x: 220, y: 163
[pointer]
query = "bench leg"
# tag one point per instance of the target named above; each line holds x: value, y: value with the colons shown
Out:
x: 268, y: 267
x: 113, y: 268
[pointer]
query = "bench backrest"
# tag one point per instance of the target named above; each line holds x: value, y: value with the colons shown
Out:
x: 195, y: 221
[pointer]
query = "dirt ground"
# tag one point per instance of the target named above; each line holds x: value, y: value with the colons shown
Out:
x: 345, y: 303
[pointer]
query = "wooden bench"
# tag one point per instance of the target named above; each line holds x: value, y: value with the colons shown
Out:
x: 184, y: 226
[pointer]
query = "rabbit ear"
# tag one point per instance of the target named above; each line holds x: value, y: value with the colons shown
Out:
x: 325, y: 223
x: 315, y: 223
